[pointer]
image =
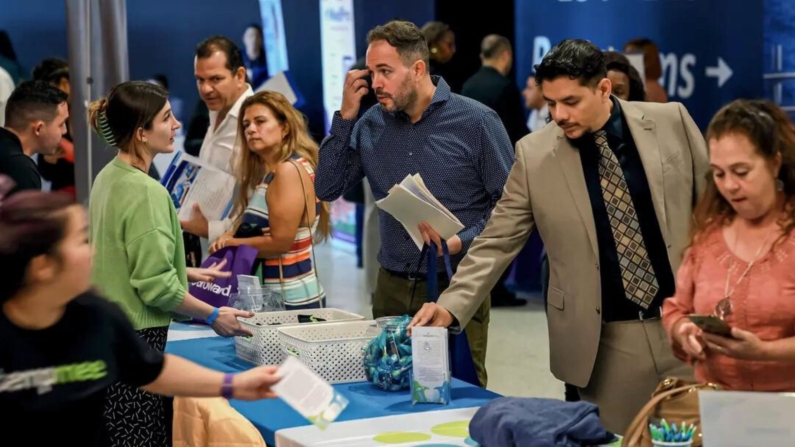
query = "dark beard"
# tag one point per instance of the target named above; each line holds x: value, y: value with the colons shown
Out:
x: 402, y: 102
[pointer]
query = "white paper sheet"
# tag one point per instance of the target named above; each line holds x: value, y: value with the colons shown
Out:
x: 416, y: 186
x: 210, y: 187
x: 308, y: 394
x: 411, y: 204
x: 212, y: 190
x: 746, y: 419
x: 279, y: 83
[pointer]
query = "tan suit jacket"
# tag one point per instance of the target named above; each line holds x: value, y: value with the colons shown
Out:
x: 546, y: 191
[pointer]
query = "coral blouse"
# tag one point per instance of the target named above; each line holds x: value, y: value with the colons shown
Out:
x: 763, y: 303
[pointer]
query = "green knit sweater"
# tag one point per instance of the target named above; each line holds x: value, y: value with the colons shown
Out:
x: 139, y: 260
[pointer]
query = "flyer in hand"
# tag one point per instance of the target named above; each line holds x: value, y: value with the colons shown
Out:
x: 189, y: 180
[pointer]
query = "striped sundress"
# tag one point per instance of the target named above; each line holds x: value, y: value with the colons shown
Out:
x: 301, y: 288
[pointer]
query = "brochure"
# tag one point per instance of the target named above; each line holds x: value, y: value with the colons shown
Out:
x: 308, y: 394
x: 431, y: 379
x: 189, y: 180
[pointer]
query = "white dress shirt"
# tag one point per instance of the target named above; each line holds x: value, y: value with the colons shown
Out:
x: 538, y: 118
x: 220, y: 148
x: 6, y: 87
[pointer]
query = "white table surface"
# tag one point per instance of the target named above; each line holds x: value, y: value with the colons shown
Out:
x: 428, y: 429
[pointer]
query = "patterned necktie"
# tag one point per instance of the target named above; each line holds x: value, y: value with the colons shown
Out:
x: 640, y: 282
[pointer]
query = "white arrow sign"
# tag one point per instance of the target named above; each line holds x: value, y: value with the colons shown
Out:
x: 722, y: 72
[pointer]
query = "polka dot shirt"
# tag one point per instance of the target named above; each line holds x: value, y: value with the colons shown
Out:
x: 459, y: 147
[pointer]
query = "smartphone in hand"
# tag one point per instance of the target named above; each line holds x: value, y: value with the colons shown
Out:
x: 711, y: 324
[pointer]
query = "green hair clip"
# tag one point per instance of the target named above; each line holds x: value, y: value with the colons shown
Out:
x: 105, y: 131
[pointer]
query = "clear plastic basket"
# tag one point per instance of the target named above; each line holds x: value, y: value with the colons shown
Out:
x: 264, y: 347
x: 334, y: 350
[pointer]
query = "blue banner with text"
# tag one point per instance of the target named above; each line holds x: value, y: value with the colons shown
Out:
x: 711, y: 50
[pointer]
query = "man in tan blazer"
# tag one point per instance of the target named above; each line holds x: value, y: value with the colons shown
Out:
x: 610, y: 186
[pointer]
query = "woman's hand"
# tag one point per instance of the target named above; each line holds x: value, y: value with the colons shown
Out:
x: 688, y: 335
x: 197, y: 224
x: 744, y: 345
x: 226, y: 325
x: 255, y: 383
x: 208, y: 274
x: 222, y: 241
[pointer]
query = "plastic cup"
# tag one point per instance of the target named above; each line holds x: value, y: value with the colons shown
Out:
x: 672, y: 444
x: 383, y: 322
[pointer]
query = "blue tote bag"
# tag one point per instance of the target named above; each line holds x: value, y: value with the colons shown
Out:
x: 461, y: 364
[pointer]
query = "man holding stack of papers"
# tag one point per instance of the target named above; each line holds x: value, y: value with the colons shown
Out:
x: 436, y: 162
x: 413, y: 205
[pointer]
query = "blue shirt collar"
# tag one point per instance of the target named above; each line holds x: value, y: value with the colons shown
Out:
x: 440, y: 97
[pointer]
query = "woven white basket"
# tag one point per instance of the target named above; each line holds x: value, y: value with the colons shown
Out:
x: 264, y: 347
x: 333, y: 350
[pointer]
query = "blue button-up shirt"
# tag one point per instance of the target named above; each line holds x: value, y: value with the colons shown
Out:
x: 459, y: 147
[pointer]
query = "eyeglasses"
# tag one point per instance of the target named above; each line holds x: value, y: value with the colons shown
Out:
x: 723, y: 308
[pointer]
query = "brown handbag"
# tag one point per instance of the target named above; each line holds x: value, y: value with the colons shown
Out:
x: 674, y: 400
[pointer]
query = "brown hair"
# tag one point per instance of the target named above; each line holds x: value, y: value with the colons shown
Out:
x: 405, y: 37
x: 435, y: 31
x: 32, y: 101
x: 618, y: 62
x: 771, y: 132
x: 32, y: 223
x: 128, y: 107
x: 250, y: 170
x: 651, y: 56
x: 234, y: 57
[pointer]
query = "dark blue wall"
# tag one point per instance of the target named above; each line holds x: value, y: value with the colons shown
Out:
x: 162, y: 36
x: 37, y: 29
x: 368, y: 16
x: 694, y: 34
x: 780, y: 51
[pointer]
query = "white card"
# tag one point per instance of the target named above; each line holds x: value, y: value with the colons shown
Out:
x: 740, y: 419
x: 430, y: 382
x: 308, y: 394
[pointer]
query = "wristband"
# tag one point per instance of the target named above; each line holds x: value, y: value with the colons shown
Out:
x: 226, y: 388
x: 213, y: 316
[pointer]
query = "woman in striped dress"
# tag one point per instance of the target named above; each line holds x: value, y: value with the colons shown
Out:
x: 276, y: 208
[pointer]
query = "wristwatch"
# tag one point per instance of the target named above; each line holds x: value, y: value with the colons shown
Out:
x: 226, y: 388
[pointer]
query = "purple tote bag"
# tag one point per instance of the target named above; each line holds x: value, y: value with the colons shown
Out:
x: 239, y: 260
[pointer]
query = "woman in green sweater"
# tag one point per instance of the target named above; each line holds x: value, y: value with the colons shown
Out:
x: 139, y: 260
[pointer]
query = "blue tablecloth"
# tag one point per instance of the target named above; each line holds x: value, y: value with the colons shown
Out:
x: 272, y: 415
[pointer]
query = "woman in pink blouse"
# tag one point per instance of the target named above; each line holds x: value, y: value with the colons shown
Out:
x: 740, y: 264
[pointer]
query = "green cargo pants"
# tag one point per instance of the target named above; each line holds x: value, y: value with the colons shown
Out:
x: 393, y: 298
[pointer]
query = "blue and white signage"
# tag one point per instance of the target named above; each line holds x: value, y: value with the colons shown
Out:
x: 711, y: 50
x: 273, y: 35
x: 338, y: 48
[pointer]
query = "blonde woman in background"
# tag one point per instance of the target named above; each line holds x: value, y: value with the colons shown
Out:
x: 139, y: 257
x: 276, y: 209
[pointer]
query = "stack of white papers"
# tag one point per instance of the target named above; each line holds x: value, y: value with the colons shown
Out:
x: 411, y: 203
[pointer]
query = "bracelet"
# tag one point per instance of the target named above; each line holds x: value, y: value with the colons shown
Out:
x: 226, y: 388
x: 213, y: 316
